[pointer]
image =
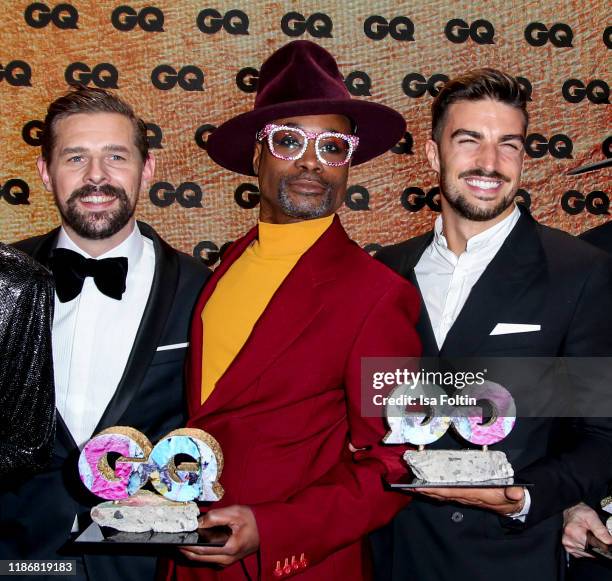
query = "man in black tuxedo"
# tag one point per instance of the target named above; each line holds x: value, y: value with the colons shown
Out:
x: 123, y: 304
x: 495, y: 283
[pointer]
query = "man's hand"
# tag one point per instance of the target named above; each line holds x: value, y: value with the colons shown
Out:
x: 577, y: 521
x: 504, y: 501
x: 243, y: 541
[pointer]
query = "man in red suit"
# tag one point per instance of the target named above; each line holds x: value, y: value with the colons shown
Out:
x: 279, y: 333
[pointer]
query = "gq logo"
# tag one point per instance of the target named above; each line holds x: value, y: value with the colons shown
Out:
x: 358, y: 84
x: 166, y: 77
x: 202, y: 133
x: 154, y: 136
x: 416, y: 85
x: 459, y: 31
x: 405, y: 145
x: 414, y: 199
x: 574, y: 202
x: 149, y: 19
x: 208, y: 252
x: 164, y: 194
x: 252, y: 196
x: 17, y: 74
x: 399, y: 28
x: 318, y: 25
x: 103, y: 75
x: 210, y: 21
x: 523, y: 197
x: 357, y: 198
x: 246, y: 79
x: 39, y: 15
x: 16, y: 192
x: 32, y: 131
x: 560, y: 146
x: 559, y: 34
x: 596, y: 91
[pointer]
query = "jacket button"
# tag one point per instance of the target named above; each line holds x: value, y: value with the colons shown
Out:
x: 278, y: 572
x: 457, y: 516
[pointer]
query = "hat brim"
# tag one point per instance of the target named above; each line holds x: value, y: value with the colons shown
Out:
x: 378, y: 127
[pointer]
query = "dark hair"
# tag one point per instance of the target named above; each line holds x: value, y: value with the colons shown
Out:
x: 476, y: 85
x: 90, y: 100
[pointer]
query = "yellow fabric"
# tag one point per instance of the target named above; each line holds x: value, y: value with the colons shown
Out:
x: 244, y: 291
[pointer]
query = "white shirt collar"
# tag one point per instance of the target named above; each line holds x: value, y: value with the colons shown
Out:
x: 132, y: 247
x: 491, y: 236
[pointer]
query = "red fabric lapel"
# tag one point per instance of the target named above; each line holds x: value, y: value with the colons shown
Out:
x: 292, y: 308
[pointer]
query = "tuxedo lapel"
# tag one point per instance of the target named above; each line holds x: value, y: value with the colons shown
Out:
x: 149, y: 333
x: 512, y: 272
x: 294, y: 306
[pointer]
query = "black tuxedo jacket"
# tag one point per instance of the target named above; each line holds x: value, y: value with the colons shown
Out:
x: 540, y: 276
x: 36, y: 516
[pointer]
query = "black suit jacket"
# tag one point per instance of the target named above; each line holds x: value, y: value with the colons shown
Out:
x: 600, y: 236
x: 591, y: 569
x: 36, y: 516
x: 539, y: 276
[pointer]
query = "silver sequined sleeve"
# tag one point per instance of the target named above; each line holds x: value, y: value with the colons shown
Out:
x: 27, y: 401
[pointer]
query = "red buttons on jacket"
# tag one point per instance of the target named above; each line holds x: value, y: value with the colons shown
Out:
x: 278, y: 572
x: 303, y: 561
x: 287, y: 568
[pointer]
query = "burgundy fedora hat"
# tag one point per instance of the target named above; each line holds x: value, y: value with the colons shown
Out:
x: 302, y: 78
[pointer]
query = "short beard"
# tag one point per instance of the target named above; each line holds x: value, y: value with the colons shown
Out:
x: 458, y: 202
x: 305, y: 211
x: 96, y: 225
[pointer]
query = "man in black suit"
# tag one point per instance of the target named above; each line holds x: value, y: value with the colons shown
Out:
x: 495, y: 283
x: 122, y: 309
x: 580, y: 519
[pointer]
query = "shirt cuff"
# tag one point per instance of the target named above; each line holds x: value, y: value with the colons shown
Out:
x: 521, y: 515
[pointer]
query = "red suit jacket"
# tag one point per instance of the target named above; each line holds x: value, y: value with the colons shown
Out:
x: 286, y: 409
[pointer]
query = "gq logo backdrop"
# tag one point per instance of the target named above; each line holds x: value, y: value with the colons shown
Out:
x: 187, y: 66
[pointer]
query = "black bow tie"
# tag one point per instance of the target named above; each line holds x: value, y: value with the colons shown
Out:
x: 70, y: 270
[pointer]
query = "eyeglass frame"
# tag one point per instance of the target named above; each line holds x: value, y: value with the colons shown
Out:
x: 270, y: 128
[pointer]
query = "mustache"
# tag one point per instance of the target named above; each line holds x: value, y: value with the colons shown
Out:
x: 481, y: 173
x: 89, y: 189
x: 306, y: 176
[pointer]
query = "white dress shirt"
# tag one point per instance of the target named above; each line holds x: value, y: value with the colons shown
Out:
x: 446, y: 280
x: 93, y: 336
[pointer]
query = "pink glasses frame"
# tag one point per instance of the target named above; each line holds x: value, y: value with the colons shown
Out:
x: 269, y: 130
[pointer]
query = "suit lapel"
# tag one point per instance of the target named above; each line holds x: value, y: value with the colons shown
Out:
x: 423, y: 326
x: 294, y: 306
x: 512, y: 272
x: 194, y: 359
x: 157, y: 310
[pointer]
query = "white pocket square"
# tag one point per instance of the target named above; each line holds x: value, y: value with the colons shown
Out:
x: 508, y: 328
x: 174, y: 346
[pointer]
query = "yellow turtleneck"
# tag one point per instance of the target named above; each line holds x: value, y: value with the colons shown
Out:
x: 244, y: 291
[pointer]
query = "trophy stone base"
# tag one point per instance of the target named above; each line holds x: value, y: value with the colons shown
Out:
x: 449, y: 467
x: 147, y: 512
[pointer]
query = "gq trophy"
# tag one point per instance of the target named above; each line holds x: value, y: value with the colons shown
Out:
x: 183, y: 467
x: 422, y: 414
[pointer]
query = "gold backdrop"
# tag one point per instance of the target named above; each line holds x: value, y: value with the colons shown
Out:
x: 376, y: 43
